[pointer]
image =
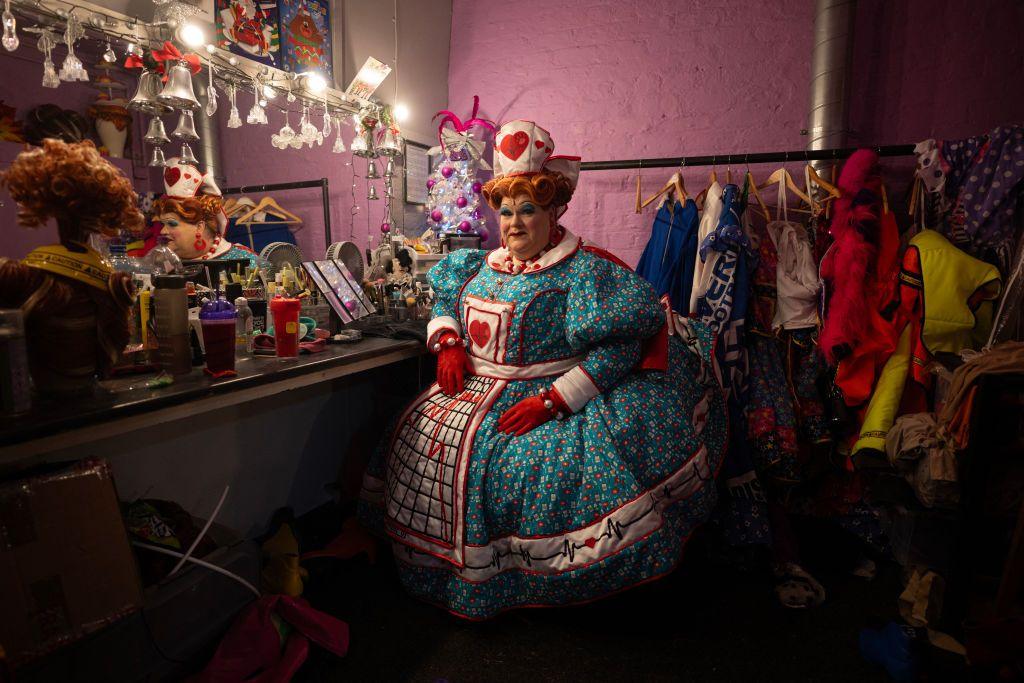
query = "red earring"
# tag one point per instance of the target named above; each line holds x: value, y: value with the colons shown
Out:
x: 200, y: 243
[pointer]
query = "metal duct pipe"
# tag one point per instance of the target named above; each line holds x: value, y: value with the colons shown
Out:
x: 830, y: 67
x: 208, y: 146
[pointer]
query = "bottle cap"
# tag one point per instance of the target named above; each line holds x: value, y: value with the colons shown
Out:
x: 241, y: 301
x: 217, y: 310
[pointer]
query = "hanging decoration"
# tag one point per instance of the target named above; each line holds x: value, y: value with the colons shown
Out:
x: 257, y: 115
x: 326, y: 130
x: 211, y: 94
x: 10, y: 39
x: 72, y: 68
x: 339, y: 144
x: 453, y: 205
x: 108, y: 54
x: 47, y: 41
x: 249, y: 28
x: 234, y: 120
x: 285, y: 137
x: 306, y: 36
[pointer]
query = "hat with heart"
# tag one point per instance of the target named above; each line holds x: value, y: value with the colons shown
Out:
x: 185, y: 181
x: 524, y: 148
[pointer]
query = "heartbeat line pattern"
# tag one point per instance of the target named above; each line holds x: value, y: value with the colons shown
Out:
x: 629, y: 524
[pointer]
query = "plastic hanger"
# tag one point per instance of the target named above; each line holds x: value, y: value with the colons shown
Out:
x: 269, y: 205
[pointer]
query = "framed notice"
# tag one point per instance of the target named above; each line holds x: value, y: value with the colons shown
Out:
x: 417, y: 170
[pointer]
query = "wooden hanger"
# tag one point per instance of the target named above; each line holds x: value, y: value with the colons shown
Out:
x: 637, y: 205
x: 832, y: 192
x: 233, y: 206
x: 780, y: 177
x: 269, y: 205
x: 712, y: 179
x: 752, y: 188
x: 674, y: 184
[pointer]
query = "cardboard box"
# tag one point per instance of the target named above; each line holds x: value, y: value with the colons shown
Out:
x: 66, y: 569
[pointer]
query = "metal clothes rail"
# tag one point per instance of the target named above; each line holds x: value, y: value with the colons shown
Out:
x: 752, y: 158
x: 298, y: 185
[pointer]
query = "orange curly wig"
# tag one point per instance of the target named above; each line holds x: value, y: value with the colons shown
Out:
x: 203, y: 207
x: 73, y: 184
x: 547, y: 188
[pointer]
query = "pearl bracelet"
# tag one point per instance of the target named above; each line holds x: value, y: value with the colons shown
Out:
x: 550, y: 405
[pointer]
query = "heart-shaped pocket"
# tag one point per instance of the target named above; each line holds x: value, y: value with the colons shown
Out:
x: 171, y: 175
x: 513, y: 145
x: 480, y: 333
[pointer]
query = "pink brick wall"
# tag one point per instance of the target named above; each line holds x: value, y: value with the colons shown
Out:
x: 648, y: 78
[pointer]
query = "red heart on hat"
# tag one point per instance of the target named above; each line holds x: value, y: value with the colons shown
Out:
x: 513, y: 145
x: 479, y: 331
x: 188, y: 176
x: 538, y: 144
x: 171, y: 175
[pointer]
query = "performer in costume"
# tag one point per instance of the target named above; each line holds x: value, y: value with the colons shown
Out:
x: 76, y: 306
x: 570, y: 445
x: 191, y: 214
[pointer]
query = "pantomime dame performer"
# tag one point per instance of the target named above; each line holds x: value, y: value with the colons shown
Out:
x: 570, y: 444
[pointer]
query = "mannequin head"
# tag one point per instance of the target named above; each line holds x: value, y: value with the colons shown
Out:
x: 528, y: 207
x: 74, y: 185
x: 191, y: 224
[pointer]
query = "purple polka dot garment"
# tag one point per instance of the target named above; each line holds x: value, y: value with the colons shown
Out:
x: 585, y: 484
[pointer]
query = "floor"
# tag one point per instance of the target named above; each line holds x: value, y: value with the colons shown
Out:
x: 706, y: 622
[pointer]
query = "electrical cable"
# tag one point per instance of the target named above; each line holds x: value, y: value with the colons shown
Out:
x: 206, y: 527
x: 201, y: 563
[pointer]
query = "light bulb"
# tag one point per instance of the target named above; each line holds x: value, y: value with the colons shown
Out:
x: 269, y: 92
x: 401, y: 113
x: 211, y: 48
x: 315, y: 82
x: 233, y: 61
x: 192, y: 35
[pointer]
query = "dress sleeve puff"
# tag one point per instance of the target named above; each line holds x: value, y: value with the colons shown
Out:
x: 610, y: 311
x: 447, y: 279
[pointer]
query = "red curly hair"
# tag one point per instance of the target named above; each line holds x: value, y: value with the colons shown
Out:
x: 547, y: 189
x: 203, y: 207
x: 73, y: 184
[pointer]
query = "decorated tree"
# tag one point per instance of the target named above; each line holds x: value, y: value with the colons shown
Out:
x: 453, y: 206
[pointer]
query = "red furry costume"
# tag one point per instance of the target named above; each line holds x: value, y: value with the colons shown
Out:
x: 860, y: 271
x: 75, y: 306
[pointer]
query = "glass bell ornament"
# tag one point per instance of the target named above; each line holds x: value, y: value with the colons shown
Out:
x: 186, y: 128
x: 372, y: 196
x: 256, y: 116
x: 234, y: 120
x: 187, y: 157
x: 10, y: 39
x: 156, y: 134
x: 372, y: 173
x: 108, y: 54
x: 178, y: 91
x: 339, y: 144
x: 158, y: 160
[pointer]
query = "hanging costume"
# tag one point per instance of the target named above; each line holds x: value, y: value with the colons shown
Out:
x: 669, y: 258
x: 579, y: 507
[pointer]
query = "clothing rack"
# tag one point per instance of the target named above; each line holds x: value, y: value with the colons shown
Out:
x: 753, y: 158
x: 298, y: 185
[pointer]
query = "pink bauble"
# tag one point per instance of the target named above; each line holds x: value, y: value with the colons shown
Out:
x: 351, y: 304
x: 477, y: 187
x: 430, y: 183
x: 465, y: 226
x: 436, y: 215
x: 483, y: 235
x: 385, y: 227
x: 461, y: 202
x: 447, y: 171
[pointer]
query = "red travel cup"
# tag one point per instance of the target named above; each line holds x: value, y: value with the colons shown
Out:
x: 286, y: 325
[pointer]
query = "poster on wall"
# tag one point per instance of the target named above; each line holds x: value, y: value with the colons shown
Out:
x: 249, y: 28
x: 306, y: 36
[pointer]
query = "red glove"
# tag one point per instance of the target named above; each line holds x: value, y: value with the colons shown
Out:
x: 532, y: 412
x: 451, y: 364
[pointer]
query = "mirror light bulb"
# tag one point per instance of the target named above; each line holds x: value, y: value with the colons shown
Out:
x: 316, y: 83
x: 401, y: 113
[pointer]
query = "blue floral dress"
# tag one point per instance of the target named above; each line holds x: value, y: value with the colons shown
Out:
x: 578, y: 508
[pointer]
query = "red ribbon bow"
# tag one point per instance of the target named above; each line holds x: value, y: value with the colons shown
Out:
x: 171, y: 54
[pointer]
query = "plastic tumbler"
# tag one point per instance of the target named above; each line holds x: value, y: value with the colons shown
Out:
x: 286, y: 325
x: 217, y: 319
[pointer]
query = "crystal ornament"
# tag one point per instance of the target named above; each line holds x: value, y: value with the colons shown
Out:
x: 284, y: 137
x: 211, y: 95
x: 72, y: 69
x: 10, y: 39
x: 234, y: 120
x: 47, y: 40
x: 108, y: 55
x: 339, y: 144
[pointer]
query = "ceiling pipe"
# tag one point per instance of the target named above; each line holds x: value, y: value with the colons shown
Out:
x: 830, y: 74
